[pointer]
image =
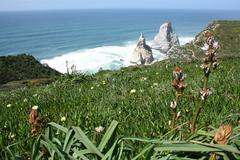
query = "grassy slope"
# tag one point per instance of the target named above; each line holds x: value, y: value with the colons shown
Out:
x: 23, y: 67
x: 87, y: 102
x: 226, y: 32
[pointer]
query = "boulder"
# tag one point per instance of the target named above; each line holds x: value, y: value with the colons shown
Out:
x: 142, y: 54
x: 165, y: 39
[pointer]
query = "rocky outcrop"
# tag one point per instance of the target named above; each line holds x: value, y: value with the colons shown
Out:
x: 142, y: 54
x: 165, y: 39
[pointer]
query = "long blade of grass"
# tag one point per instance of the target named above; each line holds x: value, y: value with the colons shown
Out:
x: 69, y: 139
x: 64, y: 129
x: 80, y: 135
x: 108, y: 135
x: 146, y: 149
x: 35, y: 149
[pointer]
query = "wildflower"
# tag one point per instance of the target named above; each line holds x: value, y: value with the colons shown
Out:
x: 63, y: 119
x: 35, y: 107
x: 173, y: 105
x: 99, y: 129
x: 169, y: 123
x: 34, y: 120
x: 215, y: 64
x: 143, y: 78
x: 205, y: 94
x: 133, y: 91
x: 11, y: 135
x: 155, y: 84
x: 205, y: 47
x: 103, y: 82
x: 98, y: 85
x: 92, y: 87
x: 178, y: 114
x: 9, y: 105
x: 178, y: 73
x: 223, y: 134
x: 206, y: 69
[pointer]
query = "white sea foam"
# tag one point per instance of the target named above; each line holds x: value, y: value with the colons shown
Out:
x: 105, y: 57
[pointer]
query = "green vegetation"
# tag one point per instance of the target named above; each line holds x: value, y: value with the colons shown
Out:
x: 138, y: 98
x: 23, y: 67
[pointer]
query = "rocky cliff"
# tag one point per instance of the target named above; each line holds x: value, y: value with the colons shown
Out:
x: 165, y: 39
x: 142, y: 54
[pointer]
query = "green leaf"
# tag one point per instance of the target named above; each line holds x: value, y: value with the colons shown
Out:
x: 146, y: 149
x: 35, y: 149
x: 52, y: 146
x: 79, y: 134
x: 69, y: 140
x: 108, y: 135
x: 64, y: 129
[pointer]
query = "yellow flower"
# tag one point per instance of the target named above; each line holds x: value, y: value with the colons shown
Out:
x: 9, y: 105
x: 133, y: 91
x: 63, y: 119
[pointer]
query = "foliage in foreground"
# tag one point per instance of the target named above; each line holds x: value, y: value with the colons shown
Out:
x: 59, y: 142
x: 138, y: 98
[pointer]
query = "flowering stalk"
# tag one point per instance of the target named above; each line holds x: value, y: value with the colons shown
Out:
x: 210, y: 63
x: 179, y: 85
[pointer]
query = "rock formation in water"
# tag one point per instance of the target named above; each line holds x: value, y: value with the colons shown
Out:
x: 142, y: 54
x: 165, y: 39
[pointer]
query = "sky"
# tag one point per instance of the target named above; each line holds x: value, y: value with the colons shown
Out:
x: 16, y: 5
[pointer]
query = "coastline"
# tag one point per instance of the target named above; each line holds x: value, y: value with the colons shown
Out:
x: 107, y: 57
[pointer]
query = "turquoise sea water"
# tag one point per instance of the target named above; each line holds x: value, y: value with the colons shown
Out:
x: 96, y: 38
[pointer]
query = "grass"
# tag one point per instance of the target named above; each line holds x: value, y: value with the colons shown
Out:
x: 91, y: 101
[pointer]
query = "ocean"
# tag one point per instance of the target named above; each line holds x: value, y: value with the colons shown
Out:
x: 93, y: 39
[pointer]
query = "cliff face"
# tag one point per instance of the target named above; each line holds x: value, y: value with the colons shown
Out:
x: 227, y: 33
x: 23, y: 67
x: 165, y: 39
x: 142, y: 54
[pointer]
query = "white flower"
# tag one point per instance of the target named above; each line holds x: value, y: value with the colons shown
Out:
x: 144, y: 78
x: 99, y: 129
x: 169, y: 123
x: 103, y: 82
x: 35, y: 107
x: 133, y: 91
x: 11, y: 135
x: 178, y: 114
x: 205, y: 47
x: 215, y: 45
x: 63, y: 119
x: 92, y: 87
x: 9, y: 105
x: 155, y: 84
x: 98, y: 85
x: 173, y: 105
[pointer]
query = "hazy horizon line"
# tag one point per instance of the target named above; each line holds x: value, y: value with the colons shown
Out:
x: 85, y: 9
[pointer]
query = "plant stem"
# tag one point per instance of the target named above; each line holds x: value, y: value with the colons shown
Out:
x: 174, y: 117
x: 195, y: 118
x: 199, y: 108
